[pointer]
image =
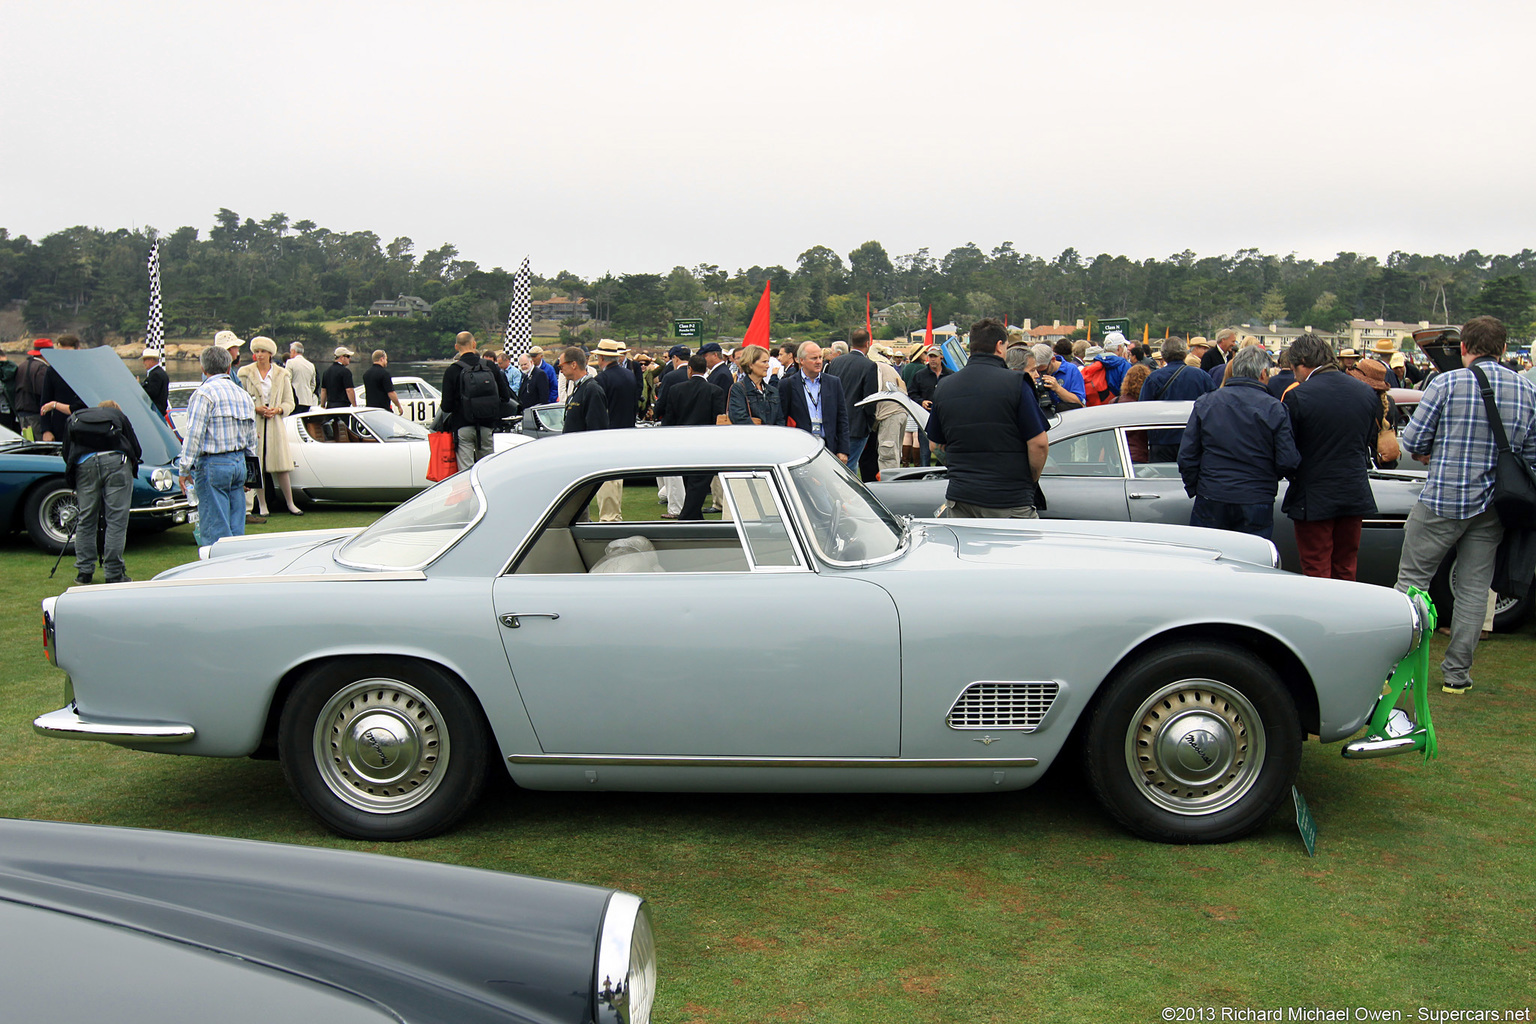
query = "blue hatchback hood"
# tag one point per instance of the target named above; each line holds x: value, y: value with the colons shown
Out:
x: 97, y: 374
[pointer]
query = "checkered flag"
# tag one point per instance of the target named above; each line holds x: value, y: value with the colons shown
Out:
x: 519, y: 337
x: 154, y: 330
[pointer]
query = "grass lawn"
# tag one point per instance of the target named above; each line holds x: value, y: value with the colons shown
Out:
x: 988, y: 908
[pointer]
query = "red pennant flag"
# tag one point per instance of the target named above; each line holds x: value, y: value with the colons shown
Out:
x: 928, y: 334
x: 868, y: 330
x: 757, y: 331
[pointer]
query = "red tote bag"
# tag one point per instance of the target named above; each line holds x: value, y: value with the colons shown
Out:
x: 444, y: 460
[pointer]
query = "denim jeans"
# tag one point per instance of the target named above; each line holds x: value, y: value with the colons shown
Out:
x: 104, y: 490
x: 220, y: 484
x: 1257, y: 519
x: 856, y: 449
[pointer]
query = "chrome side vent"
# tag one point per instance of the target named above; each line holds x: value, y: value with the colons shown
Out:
x: 995, y: 705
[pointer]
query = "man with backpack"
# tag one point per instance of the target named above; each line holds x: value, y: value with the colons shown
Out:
x: 101, y: 459
x: 473, y: 393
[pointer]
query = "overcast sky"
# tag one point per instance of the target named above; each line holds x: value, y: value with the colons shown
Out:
x: 635, y: 136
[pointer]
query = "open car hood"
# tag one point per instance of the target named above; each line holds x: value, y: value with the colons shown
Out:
x: 97, y: 374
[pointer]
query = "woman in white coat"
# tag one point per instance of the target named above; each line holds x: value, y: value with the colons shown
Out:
x: 271, y: 388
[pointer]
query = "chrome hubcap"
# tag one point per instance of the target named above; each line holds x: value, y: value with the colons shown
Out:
x: 1197, y: 746
x: 58, y: 515
x: 380, y: 745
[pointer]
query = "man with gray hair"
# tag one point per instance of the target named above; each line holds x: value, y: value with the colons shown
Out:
x: 1221, y: 353
x: 221, y: 431
x: 303, y: 373
x: 1058, y: 375
x: 1237, y: 445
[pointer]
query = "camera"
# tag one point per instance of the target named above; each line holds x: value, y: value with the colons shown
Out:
x: 1045, y: 395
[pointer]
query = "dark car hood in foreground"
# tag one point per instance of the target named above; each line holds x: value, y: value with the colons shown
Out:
x: 427, y: 941
x: 97, y: 374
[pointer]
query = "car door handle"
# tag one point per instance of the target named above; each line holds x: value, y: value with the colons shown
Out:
x: 1138, y: 494
x: 514, y: 620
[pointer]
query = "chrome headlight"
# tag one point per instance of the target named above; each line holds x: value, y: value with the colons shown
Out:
x: 162, y: 479
x: 49, y: 649
x: 1419, y: 616
x: 625, y: 985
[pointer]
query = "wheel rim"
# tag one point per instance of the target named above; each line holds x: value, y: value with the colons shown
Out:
x: 1501, y: 602
x: 380, y: 746
x: 1196, y: 745
x: 57, y: 513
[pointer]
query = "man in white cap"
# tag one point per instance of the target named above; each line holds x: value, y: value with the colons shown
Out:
x: 337, y: 390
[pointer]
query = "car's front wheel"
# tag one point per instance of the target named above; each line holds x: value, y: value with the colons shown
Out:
x: 1198, y: 743
x: 49, y: 516
x: 384, y: 748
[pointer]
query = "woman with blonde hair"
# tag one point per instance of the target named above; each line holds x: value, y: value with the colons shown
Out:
x: 754, y: 398
x: 271, y: 388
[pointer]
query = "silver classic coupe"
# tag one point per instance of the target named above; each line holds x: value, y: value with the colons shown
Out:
x: 493, y: 619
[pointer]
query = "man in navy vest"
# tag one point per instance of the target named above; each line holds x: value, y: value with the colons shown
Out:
x: 986, y: 419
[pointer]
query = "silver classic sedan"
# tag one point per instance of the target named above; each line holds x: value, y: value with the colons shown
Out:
x: 493, y: 620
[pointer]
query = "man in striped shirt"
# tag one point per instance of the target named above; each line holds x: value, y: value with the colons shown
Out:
x: 221, y: 431
x: 1450, y: 432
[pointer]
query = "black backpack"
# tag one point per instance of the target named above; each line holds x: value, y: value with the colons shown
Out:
x: 481, y: 397
x: 95, y: 430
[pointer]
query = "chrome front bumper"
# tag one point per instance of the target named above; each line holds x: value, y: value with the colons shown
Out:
x: 66, y: 724
x: 1398, y: 737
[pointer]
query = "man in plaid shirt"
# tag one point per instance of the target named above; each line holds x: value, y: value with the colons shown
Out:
x: 221, y: 431
x: 1450, y: 432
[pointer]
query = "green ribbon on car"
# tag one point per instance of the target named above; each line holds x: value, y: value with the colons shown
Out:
x: 1411, y: 674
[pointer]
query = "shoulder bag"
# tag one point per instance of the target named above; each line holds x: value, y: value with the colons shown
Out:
x: 1514, y: 481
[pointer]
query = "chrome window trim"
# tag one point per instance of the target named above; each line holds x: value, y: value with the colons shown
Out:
x: 765, y: 761
x: 741, y: 532
x: 788, y: 486
x: 543, y: 520
x: 468, y: 528
x: 1122, y: 448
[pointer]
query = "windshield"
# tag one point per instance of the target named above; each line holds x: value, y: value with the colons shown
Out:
x: 417, y: 532
x: 847, y: 523
x: 551, y: 418
x: 386, y: 426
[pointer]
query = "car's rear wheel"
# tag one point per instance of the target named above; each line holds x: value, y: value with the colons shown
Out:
x: 1198, y: 743
x: 1509, y: 612
x: 49, y: 516
x: 384, y: 748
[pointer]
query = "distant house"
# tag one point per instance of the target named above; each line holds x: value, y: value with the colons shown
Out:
x: 1364, y: 333
x: 882, y: 317
x: 1053, y: 332
x: 1277, y: 338
x: 561, y: 307
x: 400, y: 305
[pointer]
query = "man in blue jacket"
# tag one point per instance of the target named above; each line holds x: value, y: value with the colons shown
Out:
x: 813, y: 401
x: 1237, y: 446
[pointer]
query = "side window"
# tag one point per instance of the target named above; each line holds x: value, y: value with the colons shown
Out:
x: 762, y: 522
x: 404, y: 391
x: 1095, y: 454
x: 575, y: 542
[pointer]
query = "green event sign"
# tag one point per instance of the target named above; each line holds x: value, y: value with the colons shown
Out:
x: 687, y: 328
x: 1305, y: 823
x: 1120, y: 324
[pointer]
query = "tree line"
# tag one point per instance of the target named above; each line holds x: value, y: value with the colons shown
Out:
x: 285, y: 278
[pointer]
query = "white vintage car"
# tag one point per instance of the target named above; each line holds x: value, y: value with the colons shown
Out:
x: 362, y: 454
x: 491, y: 621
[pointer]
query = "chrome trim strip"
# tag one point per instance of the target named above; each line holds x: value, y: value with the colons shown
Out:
x: 323, y: 577
x: 474, y: 483
x: 66, y: 724
x: 152, y: 511
x: 707, y: 760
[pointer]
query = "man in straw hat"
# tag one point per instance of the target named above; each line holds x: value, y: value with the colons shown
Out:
x: 623, y: 395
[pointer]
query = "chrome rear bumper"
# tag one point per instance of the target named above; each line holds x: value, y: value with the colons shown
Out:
x: 66, y: 724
